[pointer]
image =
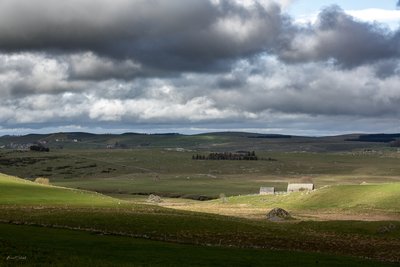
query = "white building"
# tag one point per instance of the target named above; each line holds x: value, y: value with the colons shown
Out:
x: 267, y: 190
x: 299, y: 187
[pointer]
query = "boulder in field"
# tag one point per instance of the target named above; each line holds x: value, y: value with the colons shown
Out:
x: 278, y: 215
x: 154, y: 199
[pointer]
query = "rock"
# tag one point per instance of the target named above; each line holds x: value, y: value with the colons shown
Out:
x: 278, y: 214
x: 387, y: 228
x: 154, y: 199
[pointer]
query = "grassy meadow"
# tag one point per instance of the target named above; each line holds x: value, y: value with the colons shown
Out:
x: 96, y: 210
x: 370, y: 202
x: 98, y: 219
x: 168, y: 172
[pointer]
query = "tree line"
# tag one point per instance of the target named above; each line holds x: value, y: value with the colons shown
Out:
x: 247, y: 155
x: 39, y: 148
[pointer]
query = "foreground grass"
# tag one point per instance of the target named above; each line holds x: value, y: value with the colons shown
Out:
x: 377, y: 240
x: 34, y: 246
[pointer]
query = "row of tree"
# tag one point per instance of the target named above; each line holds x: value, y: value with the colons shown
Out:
x: 39, y: 148
x: 227, y: 156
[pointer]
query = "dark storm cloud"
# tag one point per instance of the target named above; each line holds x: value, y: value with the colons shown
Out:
x: 173, y: 34
x: 88, y: 66
x: 180, y: 35
x: 387, y: 68
x: 231, y: 82
x: 340, y: 38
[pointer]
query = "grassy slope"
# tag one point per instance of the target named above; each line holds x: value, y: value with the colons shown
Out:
x: 17, y: 191
x: 372, y: 197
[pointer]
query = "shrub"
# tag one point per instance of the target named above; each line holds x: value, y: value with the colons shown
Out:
x: 395, y: 143
x: 39, y: 148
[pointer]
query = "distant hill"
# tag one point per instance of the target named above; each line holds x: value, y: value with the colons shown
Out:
x: 379, y: 138
x: 215, y: 141
x: 244, y: 134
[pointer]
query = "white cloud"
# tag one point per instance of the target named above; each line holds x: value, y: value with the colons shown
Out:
x: 375, y: 14
x: 264, y: 92
x: 389, y: 17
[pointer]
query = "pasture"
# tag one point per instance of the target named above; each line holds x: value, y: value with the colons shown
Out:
x: 368, y: 202
x: 99, y: 196
x: 120, y: 220
x: 172, y: 173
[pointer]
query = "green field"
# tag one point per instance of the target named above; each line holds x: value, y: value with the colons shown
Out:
x: 99, y: 217
x: 96, y: 211
x: 171, y: 173
x: 33, y: 246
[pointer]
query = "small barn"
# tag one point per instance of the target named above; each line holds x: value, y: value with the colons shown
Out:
x: 300, y: 187
x: 267, y: 190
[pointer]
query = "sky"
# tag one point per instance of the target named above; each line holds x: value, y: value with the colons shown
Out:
x: 301, y: 67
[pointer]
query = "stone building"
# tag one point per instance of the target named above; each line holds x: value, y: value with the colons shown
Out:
x: 299, y: 187
x: 267, y: 190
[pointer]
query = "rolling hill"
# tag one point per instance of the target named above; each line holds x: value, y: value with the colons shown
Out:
x: 355, y: 198
x: 217, y: 141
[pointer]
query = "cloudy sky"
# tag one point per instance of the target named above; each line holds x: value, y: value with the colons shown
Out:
x: 292, y: 67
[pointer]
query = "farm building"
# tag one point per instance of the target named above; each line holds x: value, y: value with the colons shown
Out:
x: 300, y: 187
x: 267, y: 190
